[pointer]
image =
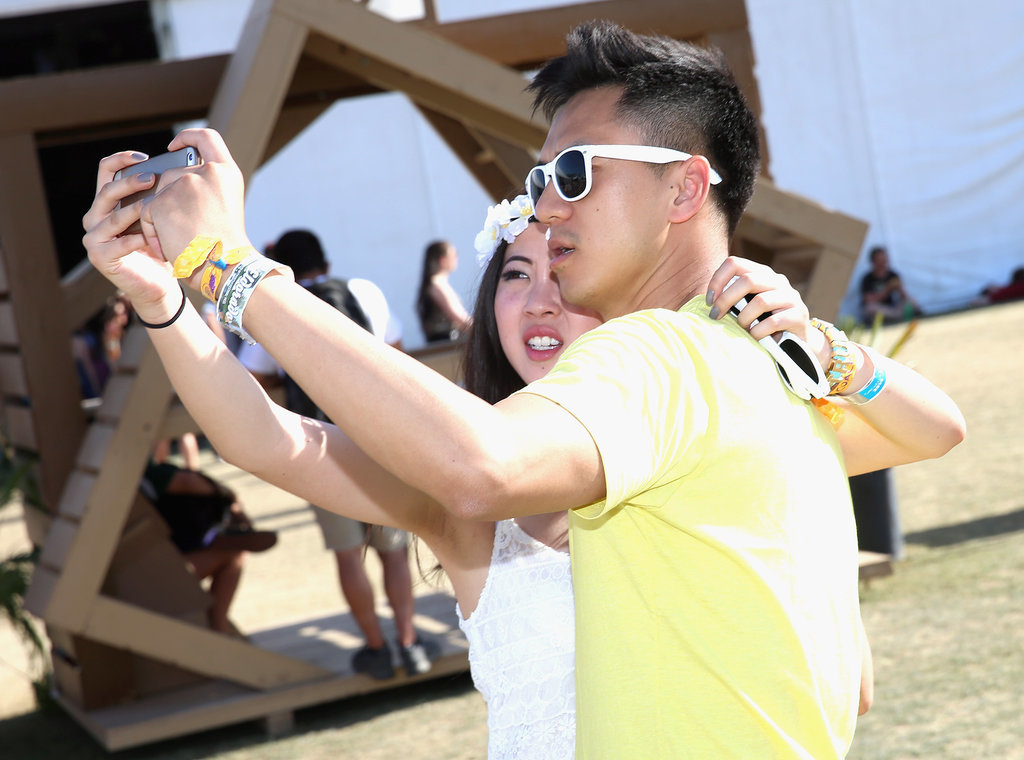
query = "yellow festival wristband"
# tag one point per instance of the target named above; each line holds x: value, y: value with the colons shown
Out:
x: 195, y: 253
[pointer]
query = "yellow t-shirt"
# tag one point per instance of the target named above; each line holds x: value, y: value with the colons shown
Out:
x: 716, y: 586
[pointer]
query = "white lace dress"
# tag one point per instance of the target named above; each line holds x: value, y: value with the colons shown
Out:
x: 522, y: 649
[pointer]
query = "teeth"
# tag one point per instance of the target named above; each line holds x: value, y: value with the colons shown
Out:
x: 545, y: 343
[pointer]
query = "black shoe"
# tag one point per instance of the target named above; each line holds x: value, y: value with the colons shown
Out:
x: 419, y: 656
x: 376, y: 663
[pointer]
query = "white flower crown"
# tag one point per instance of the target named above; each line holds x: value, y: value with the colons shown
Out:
x: 504, y: 222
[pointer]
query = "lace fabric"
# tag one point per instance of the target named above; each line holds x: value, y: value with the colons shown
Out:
x: 522, y: 649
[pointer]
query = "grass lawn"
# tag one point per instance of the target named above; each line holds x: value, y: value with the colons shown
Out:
x: 947, y: 629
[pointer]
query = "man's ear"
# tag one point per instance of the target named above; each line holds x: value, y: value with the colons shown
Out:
x: 692, y: 185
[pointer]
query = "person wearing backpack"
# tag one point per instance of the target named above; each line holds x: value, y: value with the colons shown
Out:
x: 364, y: 303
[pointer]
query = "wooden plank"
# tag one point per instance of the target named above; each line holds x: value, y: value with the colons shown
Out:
x: 445, y: 359
x: 496, y: 179
x: 805, y: 218
x: 133, y: 95
x: 254, y: 86
x: 31, y: 260
x: 58, y: 542
x: 200, y: 650
x: 427, y: 68
x: 85, y: 293
x: 528, y: 38
x: 134, y: 344
x: 115, y: 396
x: 218, y: 703
x: 76, y: 494
x: 12, y: 375
x: 829, y: 281
x: 8, y: 325
x: 94, y: 447
x: 514, y: 161
x: 136, y: 97
x: 21, y: 429
x: 875, y: 565
x: 290, y: 123
x: 118, y: 456
x: 40, y: 590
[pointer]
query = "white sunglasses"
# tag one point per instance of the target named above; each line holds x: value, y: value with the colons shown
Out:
x: 797, y: 364
x: 574, y: 175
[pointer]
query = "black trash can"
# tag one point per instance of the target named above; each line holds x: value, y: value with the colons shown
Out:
x: 877, y: 513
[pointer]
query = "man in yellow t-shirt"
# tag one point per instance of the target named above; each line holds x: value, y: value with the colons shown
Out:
x: 712, y: 537
x: 716, y: 585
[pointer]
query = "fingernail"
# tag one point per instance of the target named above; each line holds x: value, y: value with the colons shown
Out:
x: 714, y: 313
x: 709, y: 298
x: 140, y: 156
x: 145, y: 178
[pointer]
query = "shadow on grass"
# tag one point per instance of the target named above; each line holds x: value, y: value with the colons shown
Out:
x: 983, y: 527
x: 49, y: 732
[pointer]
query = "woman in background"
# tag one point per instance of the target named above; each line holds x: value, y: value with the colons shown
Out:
x: 442, y: 315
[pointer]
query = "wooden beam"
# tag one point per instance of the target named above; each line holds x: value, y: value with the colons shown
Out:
x: 805, y: 218
x: 433, y: 73
x: 85, y: 292
x: 526, y: 39
x: 117, y: 455
x: 128, y: 95
x: 255, y: 83
x: 29, y: 257
x: 142, y: 96
x: 514, y: 161
x: 829, y: 280
x: 200, y: 650
x: 477, y: 159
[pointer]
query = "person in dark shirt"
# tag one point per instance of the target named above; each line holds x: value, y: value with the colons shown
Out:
x: 882, y: 291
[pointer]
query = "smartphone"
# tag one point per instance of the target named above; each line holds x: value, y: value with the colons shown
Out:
x: 157, y: 165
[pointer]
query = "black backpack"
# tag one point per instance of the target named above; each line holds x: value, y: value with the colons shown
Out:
x: 336, y: 293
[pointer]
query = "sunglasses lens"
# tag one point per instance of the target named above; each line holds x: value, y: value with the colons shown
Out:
x: 800, y: 358
x: 571, y: 174
x: 535, y: 185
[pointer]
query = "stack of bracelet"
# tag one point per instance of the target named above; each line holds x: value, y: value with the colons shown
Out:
x: 250, y: 269
x: 239, y: 288
x: 843, y: 366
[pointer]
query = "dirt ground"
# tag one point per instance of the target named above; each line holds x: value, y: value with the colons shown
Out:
x: 975, y: 356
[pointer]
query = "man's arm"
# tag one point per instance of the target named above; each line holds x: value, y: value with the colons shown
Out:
x: 525, y: 455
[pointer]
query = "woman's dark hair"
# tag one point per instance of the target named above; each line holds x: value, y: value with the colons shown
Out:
x: 675, y: 94
x: 431, y: 265
x: 486, y: 371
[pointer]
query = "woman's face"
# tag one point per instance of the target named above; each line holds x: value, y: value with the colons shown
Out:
x: 534, y: 324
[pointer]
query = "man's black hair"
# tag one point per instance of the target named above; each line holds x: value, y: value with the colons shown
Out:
x: 301, y: 250
x: 675, y: 94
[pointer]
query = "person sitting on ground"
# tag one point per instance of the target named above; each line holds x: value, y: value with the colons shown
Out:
x: 209, y: 527
x: 882, y: 291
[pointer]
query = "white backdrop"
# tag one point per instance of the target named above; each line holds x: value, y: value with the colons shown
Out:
x: 907, y: 114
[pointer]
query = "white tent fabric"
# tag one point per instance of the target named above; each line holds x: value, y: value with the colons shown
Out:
x: 909, y: 115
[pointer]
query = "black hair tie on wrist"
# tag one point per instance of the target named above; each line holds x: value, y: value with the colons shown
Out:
x: 170, y: 321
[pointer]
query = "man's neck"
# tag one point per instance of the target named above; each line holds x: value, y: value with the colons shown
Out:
x: 680, y: 277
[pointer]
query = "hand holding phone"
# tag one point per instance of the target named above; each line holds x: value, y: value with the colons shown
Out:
x: 157, y: 165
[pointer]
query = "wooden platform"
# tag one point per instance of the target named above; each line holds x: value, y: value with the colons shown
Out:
x: 874, y: 565
x: 327, y: 642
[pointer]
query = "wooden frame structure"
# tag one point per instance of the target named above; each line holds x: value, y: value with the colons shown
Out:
x: 294, y: 59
